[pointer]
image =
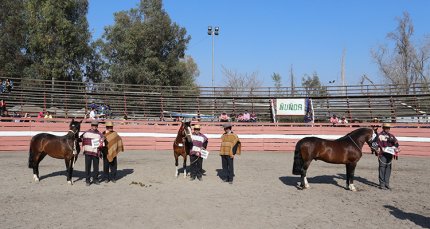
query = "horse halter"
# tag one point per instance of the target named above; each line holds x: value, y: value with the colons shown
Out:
x: 370, y: 142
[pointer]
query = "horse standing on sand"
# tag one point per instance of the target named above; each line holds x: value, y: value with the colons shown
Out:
x: 181, y: 145
x: 345, y: 150
x: 61, y: 147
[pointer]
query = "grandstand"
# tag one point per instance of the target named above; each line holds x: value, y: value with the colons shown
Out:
x: 359, y: 103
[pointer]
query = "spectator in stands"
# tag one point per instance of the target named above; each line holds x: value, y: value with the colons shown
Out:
x: 375, y: 124
x: 308, y: 117
x: 6, y: 115
x: 334, y: 120
x: 343, y: 120
x: 162, y: 118
x: 16, y: 115
x: 2, y: 107
x: 93, y: 114
x: 233, y: 116
x: 224, y: 117
x: 40, y: 115
x: 246, y: 116
x: 93, y: 105
x: 253, y: 117
x: 48, y: 115
x: 1, y: 86
x: 240, y: 117
x: 8, y: 85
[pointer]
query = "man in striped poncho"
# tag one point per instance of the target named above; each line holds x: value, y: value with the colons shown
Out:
x: 92, y: 143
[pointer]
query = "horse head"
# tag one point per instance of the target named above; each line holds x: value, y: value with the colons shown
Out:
x: 186, y: 126
x: 75, y: 127
x: 373, y: 141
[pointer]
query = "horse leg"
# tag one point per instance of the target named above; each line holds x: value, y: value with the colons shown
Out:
x: 176, y: 164
x: 350, y: 168
x: 304, y: 180
x: 36, y: 166
x: 69, y: 170
x: 185, y: 166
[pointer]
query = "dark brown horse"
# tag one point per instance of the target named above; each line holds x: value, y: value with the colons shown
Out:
x: 61, y: 147
x: 345, y: 150
x: 181, y: 145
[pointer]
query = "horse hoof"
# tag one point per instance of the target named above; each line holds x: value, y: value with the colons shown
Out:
x: 352, y: 188
x: 70, y: 182
x: 35, y: 178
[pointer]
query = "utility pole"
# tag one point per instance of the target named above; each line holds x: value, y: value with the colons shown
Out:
x: 342, y: 71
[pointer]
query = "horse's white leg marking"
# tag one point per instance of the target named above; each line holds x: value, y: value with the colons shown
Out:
x: 176, y: 174
x: 185, y: 173
x: 70, y: 182
x: 35, y: 178
x: 352, y: 187
x: 306, y: 183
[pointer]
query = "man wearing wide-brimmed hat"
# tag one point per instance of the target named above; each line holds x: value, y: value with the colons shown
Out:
x: 200, y: 142
x: 230, y: 146
x: 389, y: 149
x: 92, y: 143
x: 113, y: 146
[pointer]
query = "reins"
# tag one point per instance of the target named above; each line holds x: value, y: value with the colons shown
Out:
x: 73, y: 149
x: 354, y: 142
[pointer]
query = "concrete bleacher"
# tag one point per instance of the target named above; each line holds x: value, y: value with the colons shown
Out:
x: 71, y: 99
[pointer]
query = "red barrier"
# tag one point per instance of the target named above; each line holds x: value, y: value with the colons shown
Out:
x: 144, y: 135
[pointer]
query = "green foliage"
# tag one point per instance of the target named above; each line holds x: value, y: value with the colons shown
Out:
x: 276, y: 77
x: 313, y: 87
x: 12, y: 38
x: 145, y: 47
x: 57, y: 39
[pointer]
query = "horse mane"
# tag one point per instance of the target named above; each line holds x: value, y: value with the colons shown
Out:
x: 355, y: 133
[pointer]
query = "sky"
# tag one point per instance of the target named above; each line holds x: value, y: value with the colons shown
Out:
x: 266, y: 37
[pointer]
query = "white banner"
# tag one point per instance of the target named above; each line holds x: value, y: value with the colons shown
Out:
x: 290, y: 106
x: 204, y: 154
x: 95, y: 143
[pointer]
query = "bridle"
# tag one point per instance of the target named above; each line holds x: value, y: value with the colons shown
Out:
x: 73, y: 149
x: 370, y: 142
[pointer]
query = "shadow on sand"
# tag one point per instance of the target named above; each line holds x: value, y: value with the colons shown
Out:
x: 81, y: 174
x: 324, y: 179
x: 419, y: 220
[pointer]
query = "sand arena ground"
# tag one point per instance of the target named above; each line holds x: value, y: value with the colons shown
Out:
x: 262, y: 196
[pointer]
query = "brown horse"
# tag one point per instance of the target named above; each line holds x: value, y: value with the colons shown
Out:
x: 65, y: 147
x: 181, y: 145
x: 345, y: 150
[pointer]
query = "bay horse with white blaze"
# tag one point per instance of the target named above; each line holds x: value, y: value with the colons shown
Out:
x: 61, y: 147
x: 345, y: 150
x: 182, y: 145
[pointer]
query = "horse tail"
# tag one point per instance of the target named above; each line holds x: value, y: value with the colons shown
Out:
x: 298, y: 160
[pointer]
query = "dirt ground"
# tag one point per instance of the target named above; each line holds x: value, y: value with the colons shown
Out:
x: 147, y: 195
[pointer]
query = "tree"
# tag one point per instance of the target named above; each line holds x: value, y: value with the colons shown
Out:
x: 312, y: 86
x: 407, y: 64
x: 145, y: 47
x: 57, y: 39
x: 238, y: 84
x: 276, y: 77
x: 12, y: 38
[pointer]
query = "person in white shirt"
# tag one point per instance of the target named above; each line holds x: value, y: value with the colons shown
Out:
x: 93, y: 114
